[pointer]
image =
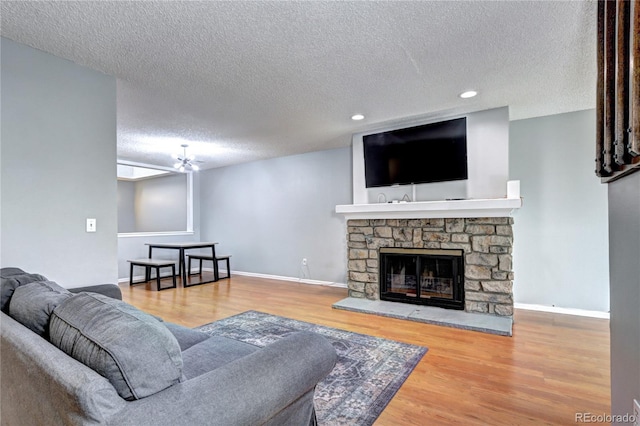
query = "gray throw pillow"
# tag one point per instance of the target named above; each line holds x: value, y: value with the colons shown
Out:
x: 9, y: 282
x: 132, y: 349
x: 32, y: 304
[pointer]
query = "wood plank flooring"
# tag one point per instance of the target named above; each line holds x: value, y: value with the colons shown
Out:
x: 553, y: 367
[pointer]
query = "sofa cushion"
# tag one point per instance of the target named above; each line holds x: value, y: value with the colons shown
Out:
x: 12, y: 279
x: 186, y: 337
x: 32, y: 304
x: 7, y: 272
x: 111, y: 290
x: 212, y: 353
x: 135, y: 351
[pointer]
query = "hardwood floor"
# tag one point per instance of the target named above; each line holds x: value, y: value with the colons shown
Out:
x: 553, y: 367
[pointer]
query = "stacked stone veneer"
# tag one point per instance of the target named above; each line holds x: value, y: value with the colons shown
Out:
x: 487, y: 244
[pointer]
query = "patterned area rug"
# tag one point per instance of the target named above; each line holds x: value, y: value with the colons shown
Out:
x: 369, y: 371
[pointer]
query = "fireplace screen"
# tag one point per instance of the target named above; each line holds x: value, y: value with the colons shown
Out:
x: 428, y: 277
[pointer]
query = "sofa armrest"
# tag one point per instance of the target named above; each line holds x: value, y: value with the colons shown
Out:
x: 251, y: 390
x: 111, y: 290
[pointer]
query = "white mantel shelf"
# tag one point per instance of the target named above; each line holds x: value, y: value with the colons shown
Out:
x: 497, y: 207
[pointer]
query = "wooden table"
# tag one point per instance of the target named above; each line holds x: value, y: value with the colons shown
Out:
x: 182, y: 247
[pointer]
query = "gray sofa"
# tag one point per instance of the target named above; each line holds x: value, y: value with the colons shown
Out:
x: 85, y: 358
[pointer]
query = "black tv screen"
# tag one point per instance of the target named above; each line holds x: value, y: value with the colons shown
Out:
x: 434, y: 152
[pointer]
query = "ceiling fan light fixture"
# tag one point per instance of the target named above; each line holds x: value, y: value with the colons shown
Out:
x: 185, y: 161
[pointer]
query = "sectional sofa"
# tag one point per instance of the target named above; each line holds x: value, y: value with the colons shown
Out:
x: 85, y: 358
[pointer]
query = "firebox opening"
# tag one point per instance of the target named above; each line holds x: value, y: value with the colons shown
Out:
x: 423, y: 277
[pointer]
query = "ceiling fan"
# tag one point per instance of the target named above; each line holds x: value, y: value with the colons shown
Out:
x: 186, y: 162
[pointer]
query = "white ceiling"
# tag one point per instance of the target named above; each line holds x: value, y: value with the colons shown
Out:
x: 240, y: 81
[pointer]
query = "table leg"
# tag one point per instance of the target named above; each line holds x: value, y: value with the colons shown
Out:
x: 182, y: 269
x: 147, y: 271
x: 216, y: 274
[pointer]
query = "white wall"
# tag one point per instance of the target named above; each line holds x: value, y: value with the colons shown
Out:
x: 560, y: 253
x: 488, y: 152
x: 270, y: 214
x: 487, y: 159
x: 58, y: 167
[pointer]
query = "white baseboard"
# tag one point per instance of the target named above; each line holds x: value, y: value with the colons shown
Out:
x: 256, y: 275
x: 292, y: 279
x: 566, y: 311
x: 525, y: 306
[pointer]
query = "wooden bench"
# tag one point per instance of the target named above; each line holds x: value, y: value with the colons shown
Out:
x: 152, y: 263
x: 201, y: 257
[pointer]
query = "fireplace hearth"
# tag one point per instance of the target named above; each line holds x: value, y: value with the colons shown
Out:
x: 422, y: 277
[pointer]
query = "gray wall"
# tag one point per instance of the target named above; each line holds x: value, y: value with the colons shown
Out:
x: 126, y: 206
x: 161, y: 204
x: 133, y: 246
x: 270, y: 214
x: 624, y: 261
x: 560, y: 235
x: 58, y: 167
x: 156, y: 204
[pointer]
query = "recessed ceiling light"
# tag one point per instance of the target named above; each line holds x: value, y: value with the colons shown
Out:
x: 469, y: 94
x: 357, y: 117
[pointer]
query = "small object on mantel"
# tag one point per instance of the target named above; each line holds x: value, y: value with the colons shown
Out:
x: 513, y: 189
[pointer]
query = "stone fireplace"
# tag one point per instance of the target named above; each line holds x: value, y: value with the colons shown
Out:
x: 485, y: 244
x: 472, y: 216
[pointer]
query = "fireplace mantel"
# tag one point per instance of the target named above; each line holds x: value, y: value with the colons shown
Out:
x: 497, y: 207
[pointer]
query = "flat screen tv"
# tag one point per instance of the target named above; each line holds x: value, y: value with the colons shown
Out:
x: 435, y: 152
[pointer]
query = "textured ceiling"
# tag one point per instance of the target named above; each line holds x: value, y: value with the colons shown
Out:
x: 240, y: 81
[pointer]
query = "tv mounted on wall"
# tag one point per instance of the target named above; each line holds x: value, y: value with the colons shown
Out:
x: 435, y: 152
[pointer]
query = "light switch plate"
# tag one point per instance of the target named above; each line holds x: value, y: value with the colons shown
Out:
x: 91, y: 225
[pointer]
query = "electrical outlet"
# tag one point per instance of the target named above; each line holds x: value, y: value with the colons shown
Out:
x: 636, y: 412
x: 91, y: 225
x: 304, y: 261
